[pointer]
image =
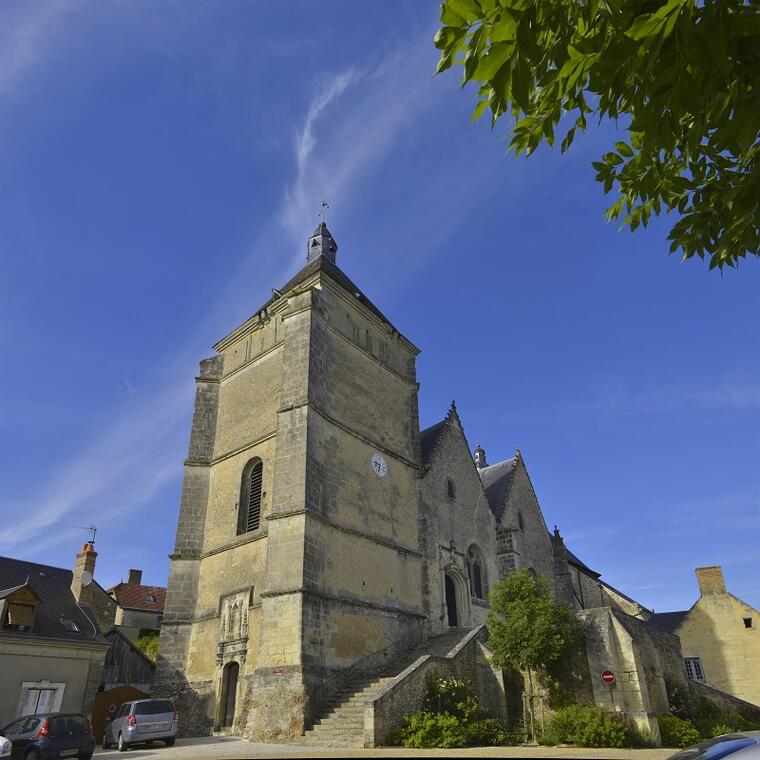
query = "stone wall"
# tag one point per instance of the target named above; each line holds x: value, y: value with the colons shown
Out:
x: 641, y: 658
x: 470, y: 660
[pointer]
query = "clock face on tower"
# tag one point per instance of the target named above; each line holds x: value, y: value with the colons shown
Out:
x: 379, y: 465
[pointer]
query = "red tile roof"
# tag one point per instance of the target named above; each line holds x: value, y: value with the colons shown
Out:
x: 135, y: 596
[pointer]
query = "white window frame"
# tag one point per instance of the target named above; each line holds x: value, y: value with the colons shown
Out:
x: 55, y: 702
x: 694, y: 669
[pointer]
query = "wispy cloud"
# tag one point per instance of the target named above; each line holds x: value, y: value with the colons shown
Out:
x: 25, y: 38
x: 341, y: 139
x: 121, y: 469
x: 740, y: 396
x: 139, y: 450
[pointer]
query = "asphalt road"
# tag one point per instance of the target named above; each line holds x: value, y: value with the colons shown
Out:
x: 232, y: 748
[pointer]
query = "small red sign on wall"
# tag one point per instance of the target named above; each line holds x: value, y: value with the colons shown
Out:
x: 608, y: 676
x: 278, y: 671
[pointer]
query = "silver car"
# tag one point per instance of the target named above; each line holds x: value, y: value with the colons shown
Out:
x: 742, y: 745
x: 143, y: 720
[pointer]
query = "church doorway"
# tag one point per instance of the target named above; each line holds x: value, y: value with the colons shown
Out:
x: 229, y: 693
x: 451, y: 601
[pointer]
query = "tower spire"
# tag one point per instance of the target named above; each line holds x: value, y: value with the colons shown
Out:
x: 321, y: 243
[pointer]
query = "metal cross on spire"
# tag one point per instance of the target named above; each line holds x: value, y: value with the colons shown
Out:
x: 323, y: 211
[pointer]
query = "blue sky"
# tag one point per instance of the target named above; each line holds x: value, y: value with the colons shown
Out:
x: 161, y: 165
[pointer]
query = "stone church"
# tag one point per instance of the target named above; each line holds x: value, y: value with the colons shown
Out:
x: 329, y: 552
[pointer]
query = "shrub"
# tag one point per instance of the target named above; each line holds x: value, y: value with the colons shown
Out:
x: 677, y: 732
x: 704, y: 714
x: 588, y: 727
x: 147, y: 643
x: 719, y: 730
x: 451, y: 717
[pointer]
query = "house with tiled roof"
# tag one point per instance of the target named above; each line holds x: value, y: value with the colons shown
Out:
x: 52, y: 649
x: 139, y: 608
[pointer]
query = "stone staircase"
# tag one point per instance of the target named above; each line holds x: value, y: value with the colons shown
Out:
x: 341, y: 723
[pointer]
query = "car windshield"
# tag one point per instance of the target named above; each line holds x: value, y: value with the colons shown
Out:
x: 724, y: 746
x: 154, y: 707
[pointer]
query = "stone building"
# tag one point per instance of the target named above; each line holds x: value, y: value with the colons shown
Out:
x: 329, y: 552
x: 719, y: 638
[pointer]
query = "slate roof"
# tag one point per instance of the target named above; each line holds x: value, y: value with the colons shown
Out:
x: 133, y: 596
x: 574, y: 560
x: 668, y: 621
x: 53, y: 587
x: 429, y: 437
x: 332, y: 270
x: 496, y: 479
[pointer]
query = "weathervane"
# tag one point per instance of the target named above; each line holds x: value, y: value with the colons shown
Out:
x: 325, y: 206
x: 92, y: 530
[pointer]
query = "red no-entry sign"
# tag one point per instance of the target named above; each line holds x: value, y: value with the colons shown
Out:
x: 608, y: 676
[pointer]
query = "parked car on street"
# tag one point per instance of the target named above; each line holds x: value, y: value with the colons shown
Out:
x: 140, y: 721
x: 5, y: 747
x: 741, y: 745
x: 37, y: 737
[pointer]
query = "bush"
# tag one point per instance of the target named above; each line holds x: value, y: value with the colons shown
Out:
x: 451, y: 717
x: 677, y: 732
x: 147, y: 643
x: 706, y: 716
x: 588, y: 727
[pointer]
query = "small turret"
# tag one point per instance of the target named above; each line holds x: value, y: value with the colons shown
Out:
x: 479, y: 456
x: 321, y: 243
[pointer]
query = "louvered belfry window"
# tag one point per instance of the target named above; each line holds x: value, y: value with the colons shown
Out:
x: 249, y: 518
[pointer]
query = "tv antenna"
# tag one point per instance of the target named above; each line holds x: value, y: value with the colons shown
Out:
x: 93, y: 530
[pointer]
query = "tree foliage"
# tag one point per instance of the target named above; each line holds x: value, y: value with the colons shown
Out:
x: 527, y: 629
x: 147, y: 643
x: 683, y: 76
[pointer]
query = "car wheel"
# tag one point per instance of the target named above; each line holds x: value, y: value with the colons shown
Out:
x: 123, y: 746
x: 32, y: 754
x: 87, y: 756
x: 104, y: 744
x: 169, y: 742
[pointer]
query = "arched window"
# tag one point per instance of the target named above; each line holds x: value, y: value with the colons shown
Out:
x: 476, y: 573
x: 249, y: 511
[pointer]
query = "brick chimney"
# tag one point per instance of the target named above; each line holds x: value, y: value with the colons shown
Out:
x: 710, y: 580
x: 81, y: 587
x: 135, y: 577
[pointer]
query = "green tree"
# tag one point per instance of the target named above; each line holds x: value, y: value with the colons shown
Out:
x: 527, y: 629
x: 147, y: 643
x: 682, y: 76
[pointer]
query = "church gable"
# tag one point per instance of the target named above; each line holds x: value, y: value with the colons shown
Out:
x: 522, y: 538
x: 459, y: 529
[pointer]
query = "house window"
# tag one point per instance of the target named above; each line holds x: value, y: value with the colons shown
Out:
x: 40, y: 697
x: 694, y: 669
x: 69, y: 625
x: 150, y: 598
x: 748, y: 622
x: 20, y: 617
x: 450, y: 488
x: 249, y: 510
